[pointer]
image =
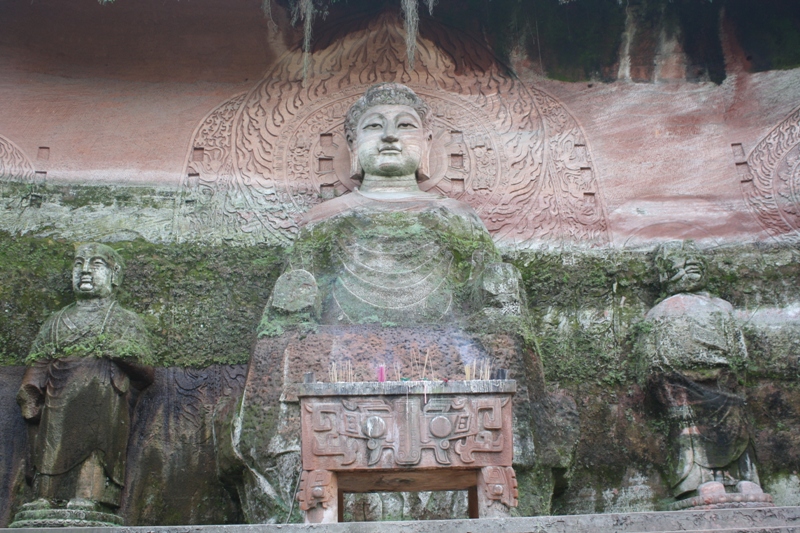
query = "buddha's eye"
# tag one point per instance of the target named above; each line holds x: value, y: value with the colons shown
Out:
x: 78, y: 263
x: 98, y: 263
x: 372, y: 126
x: 406, y: 126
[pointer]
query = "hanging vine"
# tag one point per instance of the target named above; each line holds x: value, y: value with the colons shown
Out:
x: 411, y: 22
x: 305, y: 11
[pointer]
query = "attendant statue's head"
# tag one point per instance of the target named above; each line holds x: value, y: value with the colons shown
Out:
x: 681, y: 267
x: 96, y: 272
x: 388, y: 132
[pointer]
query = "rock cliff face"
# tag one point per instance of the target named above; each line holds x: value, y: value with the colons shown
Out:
x: 193, y: 148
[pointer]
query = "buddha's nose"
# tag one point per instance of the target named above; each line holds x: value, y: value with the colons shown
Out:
x: 390, y: 134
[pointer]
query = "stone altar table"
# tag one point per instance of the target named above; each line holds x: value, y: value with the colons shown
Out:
x: 406, y: 436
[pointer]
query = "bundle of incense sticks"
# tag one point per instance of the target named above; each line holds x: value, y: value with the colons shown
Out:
x: 419, y: 368
x: 473, y: 371
x: 347, y: 371
x: 381, y: 373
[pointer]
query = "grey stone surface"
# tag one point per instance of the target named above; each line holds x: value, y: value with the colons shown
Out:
x: 775, y: 519
x: 88, y: 213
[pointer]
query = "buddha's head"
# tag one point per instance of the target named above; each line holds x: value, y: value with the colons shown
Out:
x: 388, y: 132
x: 96, y: 272
x: 681, y: 267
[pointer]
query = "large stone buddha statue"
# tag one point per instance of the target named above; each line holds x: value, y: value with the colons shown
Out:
x: 389, y: 253
x: 390, y: 276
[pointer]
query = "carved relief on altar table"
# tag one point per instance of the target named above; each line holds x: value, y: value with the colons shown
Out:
x: 770, y: 178
x: 398, y: 431
x: 512, y: 152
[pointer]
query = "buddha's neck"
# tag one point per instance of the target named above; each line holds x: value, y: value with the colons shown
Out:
x: 93, y: 304
x: 389, y: 184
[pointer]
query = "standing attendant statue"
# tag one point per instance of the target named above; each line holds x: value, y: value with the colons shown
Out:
x: 692, y: 345
x: 76, y: 395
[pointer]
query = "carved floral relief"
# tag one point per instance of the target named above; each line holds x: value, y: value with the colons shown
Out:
x: 770, y: 179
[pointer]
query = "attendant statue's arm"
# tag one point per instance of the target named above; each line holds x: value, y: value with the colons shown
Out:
x: 141, y: 375
x: 31, y: 393
x: 132, y: 352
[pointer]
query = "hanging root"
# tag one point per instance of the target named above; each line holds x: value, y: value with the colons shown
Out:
x: 304, y: 10
x: 308, y: 18
x: 430, y: 4
x: 411, y: 16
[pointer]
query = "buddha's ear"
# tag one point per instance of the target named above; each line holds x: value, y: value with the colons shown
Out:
x: 423, y: 172
x: 356, y: 172
x: 116, y: 276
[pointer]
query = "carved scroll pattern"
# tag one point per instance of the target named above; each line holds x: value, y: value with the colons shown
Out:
x: 770, y: 179
x: 14, y: 164
x: 512, y: 152
x: 500, y: 484
x: 16, y: 167
x: 316, y: 488
x: 378, y: 432
x: 196, y: 392
x: 215, y: 204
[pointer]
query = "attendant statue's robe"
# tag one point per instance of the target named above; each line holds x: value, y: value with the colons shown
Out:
x: 693, y: 343
x: 78, y: 387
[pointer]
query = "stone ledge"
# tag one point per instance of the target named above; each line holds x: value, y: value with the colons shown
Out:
x: 401, y: 388
x: 772, y: 519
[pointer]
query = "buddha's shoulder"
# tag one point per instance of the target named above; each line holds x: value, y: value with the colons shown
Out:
x: 690, y: 304
x: 359, y: 204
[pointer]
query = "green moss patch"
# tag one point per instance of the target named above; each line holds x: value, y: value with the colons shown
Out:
x: 201, y: 303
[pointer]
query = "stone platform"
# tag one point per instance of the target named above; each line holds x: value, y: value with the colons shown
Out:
x: 772, y: 519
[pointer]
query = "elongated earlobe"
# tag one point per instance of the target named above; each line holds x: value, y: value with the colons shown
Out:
x: 423, y: 172
x: 356, y: 172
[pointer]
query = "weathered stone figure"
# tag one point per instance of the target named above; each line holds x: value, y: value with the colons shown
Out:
x: 381, y: 274
x: 692, y: 345
x: 76, y: 395
x: 389, y: 252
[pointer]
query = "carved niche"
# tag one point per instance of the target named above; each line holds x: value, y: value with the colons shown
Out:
x: 770, y: 179
x: 512, y: 152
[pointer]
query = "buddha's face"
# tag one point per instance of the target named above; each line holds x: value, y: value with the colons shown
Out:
x: 92, y: 274
x: 390, y: 141
x: 682, y: 269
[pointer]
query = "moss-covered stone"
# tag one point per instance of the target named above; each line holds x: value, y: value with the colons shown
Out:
x: 201, y: 303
